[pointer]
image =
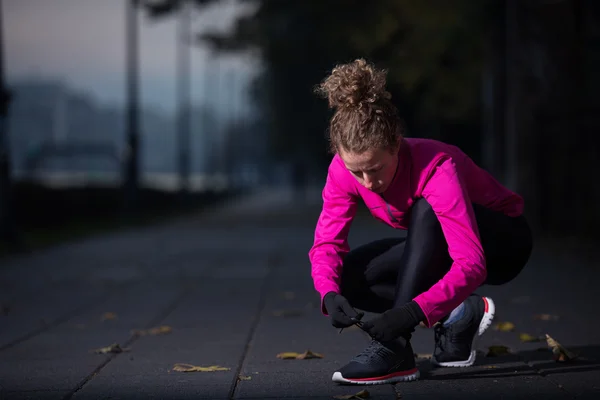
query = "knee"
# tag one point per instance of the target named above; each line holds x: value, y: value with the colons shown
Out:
x: 422, y: 214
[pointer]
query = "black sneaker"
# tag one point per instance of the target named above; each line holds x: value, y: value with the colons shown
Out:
x: 455, y: 343
x: 379, y: 364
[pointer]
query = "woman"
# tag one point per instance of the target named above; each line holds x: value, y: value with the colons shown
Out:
x: 463, y: 230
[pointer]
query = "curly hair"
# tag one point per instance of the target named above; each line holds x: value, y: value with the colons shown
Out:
x: 364, y: 116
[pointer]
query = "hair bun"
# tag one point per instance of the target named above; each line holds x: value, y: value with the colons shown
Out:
x: 354, y: 84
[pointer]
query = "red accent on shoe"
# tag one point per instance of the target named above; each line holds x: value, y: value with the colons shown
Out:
x: 487, y: 306
x: 381, y: 378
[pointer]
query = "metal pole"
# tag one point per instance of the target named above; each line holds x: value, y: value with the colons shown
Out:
x: 511, y: 121
x: 184, y: 48
x: 7, y: 219
x: 132, y: 150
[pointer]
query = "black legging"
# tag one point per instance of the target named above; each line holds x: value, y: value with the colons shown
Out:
x: 390, y: 272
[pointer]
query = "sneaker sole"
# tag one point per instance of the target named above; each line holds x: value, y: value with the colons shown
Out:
x: 404, y: 376
x: 486, y: 321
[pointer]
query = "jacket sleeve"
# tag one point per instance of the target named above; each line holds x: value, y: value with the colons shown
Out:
x: 447, y: 195
x: 331, y: 237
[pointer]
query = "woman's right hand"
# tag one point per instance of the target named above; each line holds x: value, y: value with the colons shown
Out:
x: 341, y: 312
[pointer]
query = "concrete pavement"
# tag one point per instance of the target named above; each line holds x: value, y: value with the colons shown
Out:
x: 234, y: 287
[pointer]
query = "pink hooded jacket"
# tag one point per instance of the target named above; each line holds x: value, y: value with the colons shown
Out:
x: 450, y: 182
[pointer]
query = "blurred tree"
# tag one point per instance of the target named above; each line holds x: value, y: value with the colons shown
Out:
x: 433, y: 51
x: 163, y: 8
x: 156, y: 10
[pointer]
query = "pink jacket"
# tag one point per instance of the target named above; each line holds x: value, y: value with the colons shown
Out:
x: 450, y: 181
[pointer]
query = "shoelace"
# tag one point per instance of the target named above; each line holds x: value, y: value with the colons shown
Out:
x: 357, y: 322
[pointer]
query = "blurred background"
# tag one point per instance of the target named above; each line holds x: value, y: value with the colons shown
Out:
x: 120, y: 112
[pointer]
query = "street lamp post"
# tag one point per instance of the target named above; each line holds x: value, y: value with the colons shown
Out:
x: 184, y: 48
x: 131, y: 162
x: 7, y: 218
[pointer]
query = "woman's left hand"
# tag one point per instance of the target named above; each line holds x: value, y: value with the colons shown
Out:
x: 394, y: 323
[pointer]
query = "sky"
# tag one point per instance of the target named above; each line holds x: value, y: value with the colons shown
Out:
x: 82, y: 43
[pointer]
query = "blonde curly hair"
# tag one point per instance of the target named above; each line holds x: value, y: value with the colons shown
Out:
x: 364, y: 116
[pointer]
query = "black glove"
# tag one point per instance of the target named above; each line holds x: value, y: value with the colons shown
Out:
x: 395, y: 322
x: 341, y: 312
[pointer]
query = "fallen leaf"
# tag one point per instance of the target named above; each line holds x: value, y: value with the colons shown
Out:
x: 497, y: 351
x: 113, y: 348
x: 288, y: 313
x: 298, y: 356
x: 108, y: 316
x: 363, y: 394
x: 159, y: 330
x: 289, y: 355
x: 244, y: 378
x: 527, y: 338
x: 505, y: 326
x: 490, y: 366
x: 561, y: 354
x: 179, y: 367
x: 546, y: 317
x: 422, y: 356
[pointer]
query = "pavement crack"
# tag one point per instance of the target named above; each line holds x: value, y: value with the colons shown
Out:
x: 273, y: 262
x: 543, y: 374
x: 129, y: 342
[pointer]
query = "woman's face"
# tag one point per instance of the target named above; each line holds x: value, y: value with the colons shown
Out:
x: 374, y: 169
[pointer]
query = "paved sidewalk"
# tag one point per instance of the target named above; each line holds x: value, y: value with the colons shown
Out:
x: 234, y: 286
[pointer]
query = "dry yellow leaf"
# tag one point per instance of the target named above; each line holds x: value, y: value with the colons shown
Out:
x: 497, y: 351
x: 113, y: 348
x: 109, y: 316
x: 363, y: 394
x: 288, y: 313
x: 422, y: 356
x: 527, y: 338
x: 244, y: 378
x: 490, y: 367
x: 546, y: 317
x: 298, y: 356
x: 159, y: 330
x: 560, y: 353
x: 505, y: 326
x: 289, y: 355
x: 179, y: 367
